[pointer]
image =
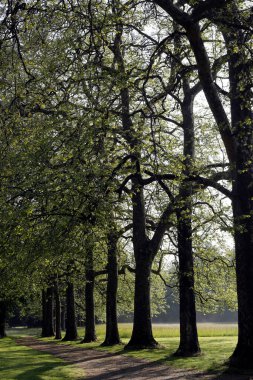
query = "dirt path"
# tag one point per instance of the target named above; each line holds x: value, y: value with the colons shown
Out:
x: 99, y: 365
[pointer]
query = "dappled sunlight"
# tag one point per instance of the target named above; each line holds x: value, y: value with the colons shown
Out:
x: 23, y: 363
x: 217, y: 342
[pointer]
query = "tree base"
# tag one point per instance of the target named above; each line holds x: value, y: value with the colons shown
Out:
x: 89, y: 340
x: 242, y: 358
x: 142, y: 345
x: 186, y: 353
x: 69, y: 339
x: 108, y: 343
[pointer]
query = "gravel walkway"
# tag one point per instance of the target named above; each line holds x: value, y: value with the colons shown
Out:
x: 99, y: 365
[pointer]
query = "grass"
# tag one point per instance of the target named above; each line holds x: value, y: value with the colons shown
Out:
x: 22, y: 363
x: 172, y: 330
x: 217, y: 344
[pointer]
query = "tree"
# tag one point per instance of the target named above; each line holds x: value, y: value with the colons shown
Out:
x: 112, y: 332
x: 47, y: 313
x: 236, y: 138
x: 3, y: 309
x: 71, y: 327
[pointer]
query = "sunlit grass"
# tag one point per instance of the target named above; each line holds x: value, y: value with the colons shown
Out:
x: 22, y: 363
x: 217, y: 343
x: 172, y: 330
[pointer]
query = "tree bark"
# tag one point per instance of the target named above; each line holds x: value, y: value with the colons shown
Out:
x: 112, y: 332
x: 3, y: 314
x: 238, y: 142
x: 57, y: 311
x: 189, y: 344
x: 71, y: 328
x: 90, y: 331
x: 47, y: 313
x: 63, y: 318
x: 144, y: 250
x: 243, y: 354
x: 242, y: 200
x: 142, y: 335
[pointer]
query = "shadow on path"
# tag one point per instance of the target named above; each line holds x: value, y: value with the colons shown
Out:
x: 99, y: 365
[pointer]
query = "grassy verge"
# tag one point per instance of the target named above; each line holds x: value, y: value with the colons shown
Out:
x: 22, y: 363
x: 217, y: 343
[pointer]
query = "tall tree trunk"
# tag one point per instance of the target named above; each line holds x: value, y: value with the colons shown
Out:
x: 243, y: 354
x: 238, y: 142
x: 242, y: 201
x: 142, y: 335
x: 144, y: 249
x: 90, y: 332
x: 47, y: 313
x: 63, y: 318
x: 142, y: 329
x: 189, y: 344
x: 71, y: 328
x: 57, y: 311
x: 3, y: 314
x: 43, y: 305
x: 112, y: 332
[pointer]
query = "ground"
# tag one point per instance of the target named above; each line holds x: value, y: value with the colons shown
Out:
x: 99, y: 365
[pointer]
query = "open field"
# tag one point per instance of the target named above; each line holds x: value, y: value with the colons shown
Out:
x: 217, y: 343
x: 23, y: 363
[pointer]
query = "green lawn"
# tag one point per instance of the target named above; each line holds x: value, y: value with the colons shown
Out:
x: 22, y: 363
x: 217, y: 343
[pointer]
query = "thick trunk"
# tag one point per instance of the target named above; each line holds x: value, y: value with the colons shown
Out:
x: 3, y: 312
x: 71, y: 328
x: 243, y: 220
x: 57, y: 312
x: 238, y: 142
x: 242, y: 125
x: 43, y: 305
x: 142, y: 335
x: 47, y: 313
x: 112, y: 332
x: 90, y: 332
x: 63, y: 318
x: 189, y: 344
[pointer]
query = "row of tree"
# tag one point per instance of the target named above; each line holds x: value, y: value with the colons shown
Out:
x: 126, y: 135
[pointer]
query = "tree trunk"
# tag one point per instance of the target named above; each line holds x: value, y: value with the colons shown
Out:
x: 63, y: 318
x: 144, y: 249
x: 43, y: 305
x: 189, y: 344
x: 57, y: 311
x: 3, y: 313
x: 243, y: 354
x: 142, y: 335
x: 112, y: 332
x: 71, y: 328
x: 90, y: 332
x: 242, y: 200
x: 47, y: 313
